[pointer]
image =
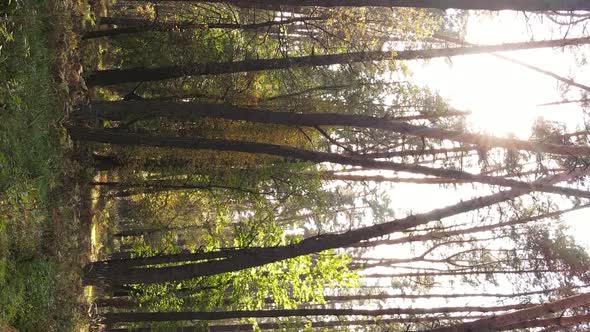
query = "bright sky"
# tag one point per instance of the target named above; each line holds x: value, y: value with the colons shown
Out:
x: 502, y: 96
x: 503, y: 99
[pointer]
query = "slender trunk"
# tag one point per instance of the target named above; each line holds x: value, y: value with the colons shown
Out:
x: 132, y: 111
x: 161, y: 229
x: 518, y: 317
x: 170, y: 258
x: 526, y: 5
x: 143, y: 74
x: 561, y: 102
x: 443, y: 234
x: 115, y: 137
x: 364, y: 297
x: 419, y: 153
x: 558, y: 321
x: 134, y: 25
x: 518, y: 62
x: 280, y: 326
x: 166, y: 185
x: 381, y: 178
x: 111, y: 318
x: 457, y: 273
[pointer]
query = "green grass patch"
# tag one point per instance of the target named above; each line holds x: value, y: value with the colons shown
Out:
x: 31, y: 169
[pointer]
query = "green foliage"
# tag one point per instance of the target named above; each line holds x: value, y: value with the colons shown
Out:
x: 286, y: 283
x: 31, y: 296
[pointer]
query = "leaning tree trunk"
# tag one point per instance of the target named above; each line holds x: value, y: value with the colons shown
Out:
x: 115, y: 137
x: 444, y: 234
x: 262, y: 256
x: 498, y: 321
x: 144, y: 74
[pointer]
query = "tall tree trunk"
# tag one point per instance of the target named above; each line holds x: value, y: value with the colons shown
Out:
x: 134, y: 25
x: 520, y: 316
x: 143, y: 74
x: 103, y: 275
x: 120, y: 317
x: 443, y: 234
x: 380, y: 178
x: 115, y: 137
x: 132, y: 111
x: 518, y: 62
x: 280, y: 326
x: 320, y: 324
x: 364, y: 297
x: 457, y: 273
x: 561, y: 102
x: 527, y: 5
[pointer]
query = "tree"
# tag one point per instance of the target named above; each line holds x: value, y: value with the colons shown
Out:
x: 243, y: 259
x: 520, y: 316
x: 127, y: 111
x: 143, y: 74
x: 111, y: 318
x: 131, y: 25
x: 307, y: 155
x: 528, y: 5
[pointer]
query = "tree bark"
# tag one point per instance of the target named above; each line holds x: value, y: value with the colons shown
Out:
x: 458, y: 273
x: 556, y: 322
x: 380, y: 178
x: 144, y: 74
x: 134, y: 25
x: 518, y: 317
x: 518, y: 62
x: 114, y: 137
x: 132, y: 111
x: 120, y: 317
x: 443, y: 234
x: 363, y: 297
x: 525, y: 5
x: 279, y: 326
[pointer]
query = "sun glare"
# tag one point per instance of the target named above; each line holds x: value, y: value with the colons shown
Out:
x: 501, y: 95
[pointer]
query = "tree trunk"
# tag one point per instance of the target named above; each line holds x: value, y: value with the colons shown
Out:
x: 381, y: 178
x: 262, y: 256
x: 518, y: 317
x: 558, y: 322
x: 131, y: 111
x: 458, y: 273
x: 364, y: 297
x: 526, y: 5
x: 120, y: 317
x: 518, y: 62
x: 326, y: 324
x: 134, y: 25
x: 443, y: 234
x: 143, y: 74
x: 114, y: 137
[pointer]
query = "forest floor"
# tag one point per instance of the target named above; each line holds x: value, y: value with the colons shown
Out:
x: 45, y: 204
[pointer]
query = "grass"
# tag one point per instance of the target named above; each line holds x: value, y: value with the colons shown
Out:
x: 42, y: 237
